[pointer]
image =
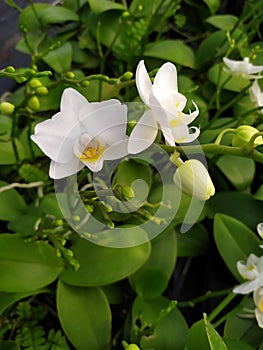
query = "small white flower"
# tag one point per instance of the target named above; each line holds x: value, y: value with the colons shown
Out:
x: 256, y: 95
x: 258, y: 300
x: 243, y: 68
x: 82, y: 134
x: 166, y: 109
x: 193, y: 178
x: 260, y: 229
x: 252, y: 270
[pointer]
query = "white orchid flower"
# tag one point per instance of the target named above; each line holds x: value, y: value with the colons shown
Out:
x: 260, y: 229
x: 166, y: 109
x: 193, y: 178
x: 258, y: 300
x: 243, y: 68
x: 256, y: 95
x: 82, y: 134
x: 252, y: 270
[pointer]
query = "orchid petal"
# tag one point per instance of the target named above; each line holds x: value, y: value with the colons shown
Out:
x: 143, y: 82
x: 61, y: 170
x: 249, y: 286
x: 95, y: 166
x: 165, y: 80
x: 143, y: 134
x: 188, y: 118
x: 117, y: 150
x: 190, y: 137
x: 72, y: 101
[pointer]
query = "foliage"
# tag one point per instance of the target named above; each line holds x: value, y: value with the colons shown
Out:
x: 61, y: 291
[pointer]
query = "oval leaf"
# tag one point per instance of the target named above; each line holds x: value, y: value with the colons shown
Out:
x: 171, y: 50
x: 26, y: 266
x: 85, y: 316
x: 57, y: 14
x: 235, y: 241
x: 12, y: 204
x: 60, y: 59
x: 102, y: 265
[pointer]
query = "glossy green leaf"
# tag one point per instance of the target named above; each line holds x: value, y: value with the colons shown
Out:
x: 210, y: 134
x: 12, y: 203
x: 218, y: 76
x: 153, y: 277
x: 60, y: 59
x: 101, y: 265
x: 85, y: 316
x: 171, y: 329
x: 197, y: 338
x: 8, y: 153
x: 214, y: 339
x: 9, y: 345
x: 242, y: 328
x: 224, y: 22
x: 259, y: 194
x: 241, y: 206
x: 213, y: 5
x: 99, y: 6
x: 28, y: 20
x: 239, y: 171
x: 235, y: 241
x: 194, y: 242
x: 49, y: 205
x: 8, y: 299
x: 233, y: 344
x: 171, y: 50
x: 5, y: 127
x: 26, y: 266
x: 57, y: 14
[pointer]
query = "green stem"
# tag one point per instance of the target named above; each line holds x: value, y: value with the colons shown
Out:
x: 216, y: 149
x: 206, y: 296
x: 221, y: 306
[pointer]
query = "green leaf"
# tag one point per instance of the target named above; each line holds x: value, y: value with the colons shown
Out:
x: 153, y: 277
x: 5, y: 127
x: 235, y: 241
x: 9, y: 345
x: 101, y: 265
x: 171, y: 50
x: 49, y: 205
x: 57, y: 14
x: 8, y: 299
x: 218, y: 76
x: 214, y: 339
x: 210, y: 134
x: 170, y: 330
x: 241, y: 206
x: 7, y: 152
x: 213, y: 5
x: 85, y: 316
x: 197, y: 338
x: 259, y: 194
x: 224, y: 22
x: 12, y: 203
x: 60, y: 59
x: 234, y: 344
x: 26, y: 266
x: 99, y: 6
x: 239, y: 171
x: 194, y: 242
x: 242, y: 328
x: 28, y: 20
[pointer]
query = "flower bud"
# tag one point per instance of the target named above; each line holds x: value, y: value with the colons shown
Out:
x: 7, y: 108
x: 33, y: 103
x: 127, y: 192
x: 129, y: 347
x: 126, y: 76
x: 85, y: 83
x: 35, y: 83
x: 193, y: 178
x: 70, y: 75
x: 10, y: 69
x: 244, y: 134
x: 41, y: 91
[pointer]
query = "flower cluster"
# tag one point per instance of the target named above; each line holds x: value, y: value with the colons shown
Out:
x: 247, y: 70
x: 252, y: 270
x: 87, y: 133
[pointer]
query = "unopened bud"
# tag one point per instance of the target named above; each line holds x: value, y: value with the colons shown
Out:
x: 244, y: 134
x: 127, y: 192
x: 59, y: 222
x: 7, y: 108
x: 70, y: 75
x: 85, y: 83
x: 35, y: 83
x: 33, y: 103
x: 10, y: 69
x: 193, y: 179
x: 41, y: 91
x: 125, y: 14
x: 126, y: 76
x: 129, y: 347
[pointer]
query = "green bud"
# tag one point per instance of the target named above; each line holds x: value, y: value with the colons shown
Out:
x: 7, y: 108
x: 127, y: 76
x: 125, y: 14
x: 10, y: 69
x: 129, y: 347
x: 89, y: 208
x: 35, y: 83
x: 41, y: 91
x: 70, y: 75
x: 127, y: 192
x: 33, y: 103
x: 244, y: 134
x: 68, y: 252
x: 59, y: 222
x: 140, y: 8
x: 85, y: 83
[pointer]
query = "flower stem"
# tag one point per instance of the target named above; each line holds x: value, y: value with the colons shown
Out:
x: 206, y: 296
x: 221, y: 306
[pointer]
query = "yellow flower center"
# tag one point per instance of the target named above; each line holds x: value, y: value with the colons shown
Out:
x: 260, y: 305
x: 92, y: 154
